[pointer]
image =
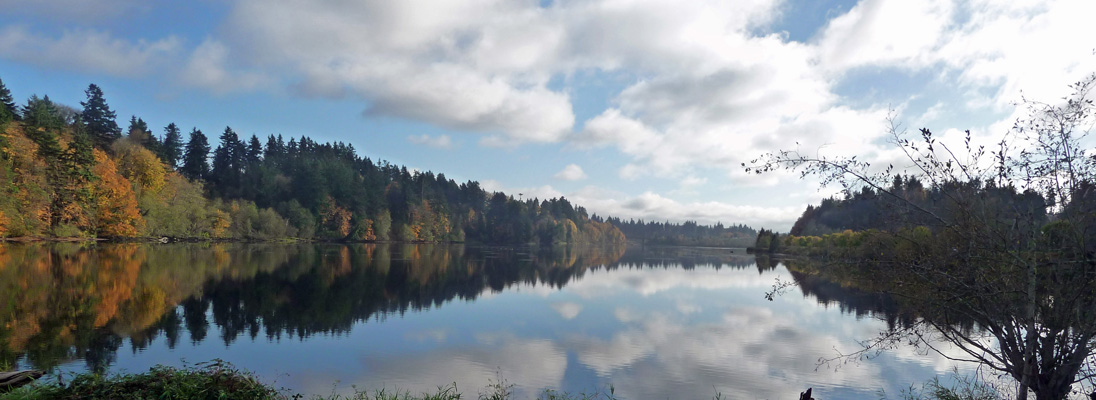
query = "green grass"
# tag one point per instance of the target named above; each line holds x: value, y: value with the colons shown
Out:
x: 220, y: 380
x: 212, y: 380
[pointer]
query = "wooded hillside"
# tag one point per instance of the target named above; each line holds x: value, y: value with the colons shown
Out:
x: 72, y: 173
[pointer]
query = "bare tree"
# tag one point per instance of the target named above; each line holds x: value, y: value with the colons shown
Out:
x: 1001, y: 262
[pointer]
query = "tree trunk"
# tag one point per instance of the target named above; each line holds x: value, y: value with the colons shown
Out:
x: 1030, y: 339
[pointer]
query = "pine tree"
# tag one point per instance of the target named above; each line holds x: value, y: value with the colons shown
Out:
x: 228, y: 161
x: 42, y: 113
x: 139, y: 133
x: 171, y: 149
x: 254, y: 150
x: 99, y: 118
x: 194, y: 159
x: 8, y: 112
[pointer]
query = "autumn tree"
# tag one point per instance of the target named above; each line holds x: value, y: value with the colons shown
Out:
x: 117, y: 212
x: 139, y: 165
x: 99, y: 118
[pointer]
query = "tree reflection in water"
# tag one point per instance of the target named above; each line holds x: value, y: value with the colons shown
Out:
x: 67, y: 302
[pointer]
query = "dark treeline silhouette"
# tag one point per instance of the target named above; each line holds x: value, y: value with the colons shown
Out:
x: 911, y: 203
x: 688, y: 233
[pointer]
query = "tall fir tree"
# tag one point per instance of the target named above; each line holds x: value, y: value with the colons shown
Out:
x: 254, y: 150
x: 99, y: 118
x: 42, y: 113
x: 228, y: 162
x: 8, y: 111
x: 172, y: 147
x: 195, y: 156
x: 138, y: 132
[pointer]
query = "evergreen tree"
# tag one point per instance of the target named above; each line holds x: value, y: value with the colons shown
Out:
x: 138, y: 132
x: 42, y: 113
x: 8, y: 112
x: 79, y: 157
x: 275, y: 149
x: 194, y: 159
x: 171, y: 149
x: 99, y: 118
x: 227, y: 160
x: 254, y: 150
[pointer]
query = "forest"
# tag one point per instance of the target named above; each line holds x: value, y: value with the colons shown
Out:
x: 74, y: 173
x: 688, y: 233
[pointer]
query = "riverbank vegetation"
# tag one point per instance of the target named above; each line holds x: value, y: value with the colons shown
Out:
x: 220, y: 380
x: 71, y: 173
x: 995, y: 249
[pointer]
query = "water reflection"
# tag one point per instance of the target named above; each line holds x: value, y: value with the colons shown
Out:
x: 656, y: 323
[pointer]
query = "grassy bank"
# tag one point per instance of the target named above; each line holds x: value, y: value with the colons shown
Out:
x: 220, y: 380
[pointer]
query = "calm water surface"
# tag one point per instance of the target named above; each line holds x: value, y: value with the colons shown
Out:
x: 654, y: 323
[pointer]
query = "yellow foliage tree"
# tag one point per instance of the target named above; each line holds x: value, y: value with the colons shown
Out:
x: 117, y: 204
x: 140, y: 165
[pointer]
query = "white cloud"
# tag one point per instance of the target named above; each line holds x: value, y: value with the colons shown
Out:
x: 572, y: 172
x: 651, y: 206
x: 86, y: 50
x: 438, y: 142
x: 567, y: 310
x: 474, y: 366
x: 886, y: 33
x: 461, y: 65
x: 704, y: 91
x: 209, y: 68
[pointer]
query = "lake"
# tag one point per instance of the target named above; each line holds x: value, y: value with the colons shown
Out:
x: 654, y: 323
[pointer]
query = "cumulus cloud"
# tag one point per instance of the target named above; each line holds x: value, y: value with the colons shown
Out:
x: 86, y: 51
x: 567, y: 310
x: 572, y: 172
x: 703, y: 88
x: 652, y: 206
x: 473, y: 366
x: 437, y: 142
x: 463, y: 65
x: 208, y: 67
x: 709, y: 91
x: 886, y: 33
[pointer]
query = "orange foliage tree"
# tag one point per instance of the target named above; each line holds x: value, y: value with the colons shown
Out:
x: 336, y: 220
x: 115, y: 201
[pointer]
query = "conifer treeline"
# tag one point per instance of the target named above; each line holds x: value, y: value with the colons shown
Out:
x: 689, y: 233
x: 70, y: 172
x: 874, y: 209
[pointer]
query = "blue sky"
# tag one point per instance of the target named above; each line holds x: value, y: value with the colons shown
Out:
x: 633, y: 108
